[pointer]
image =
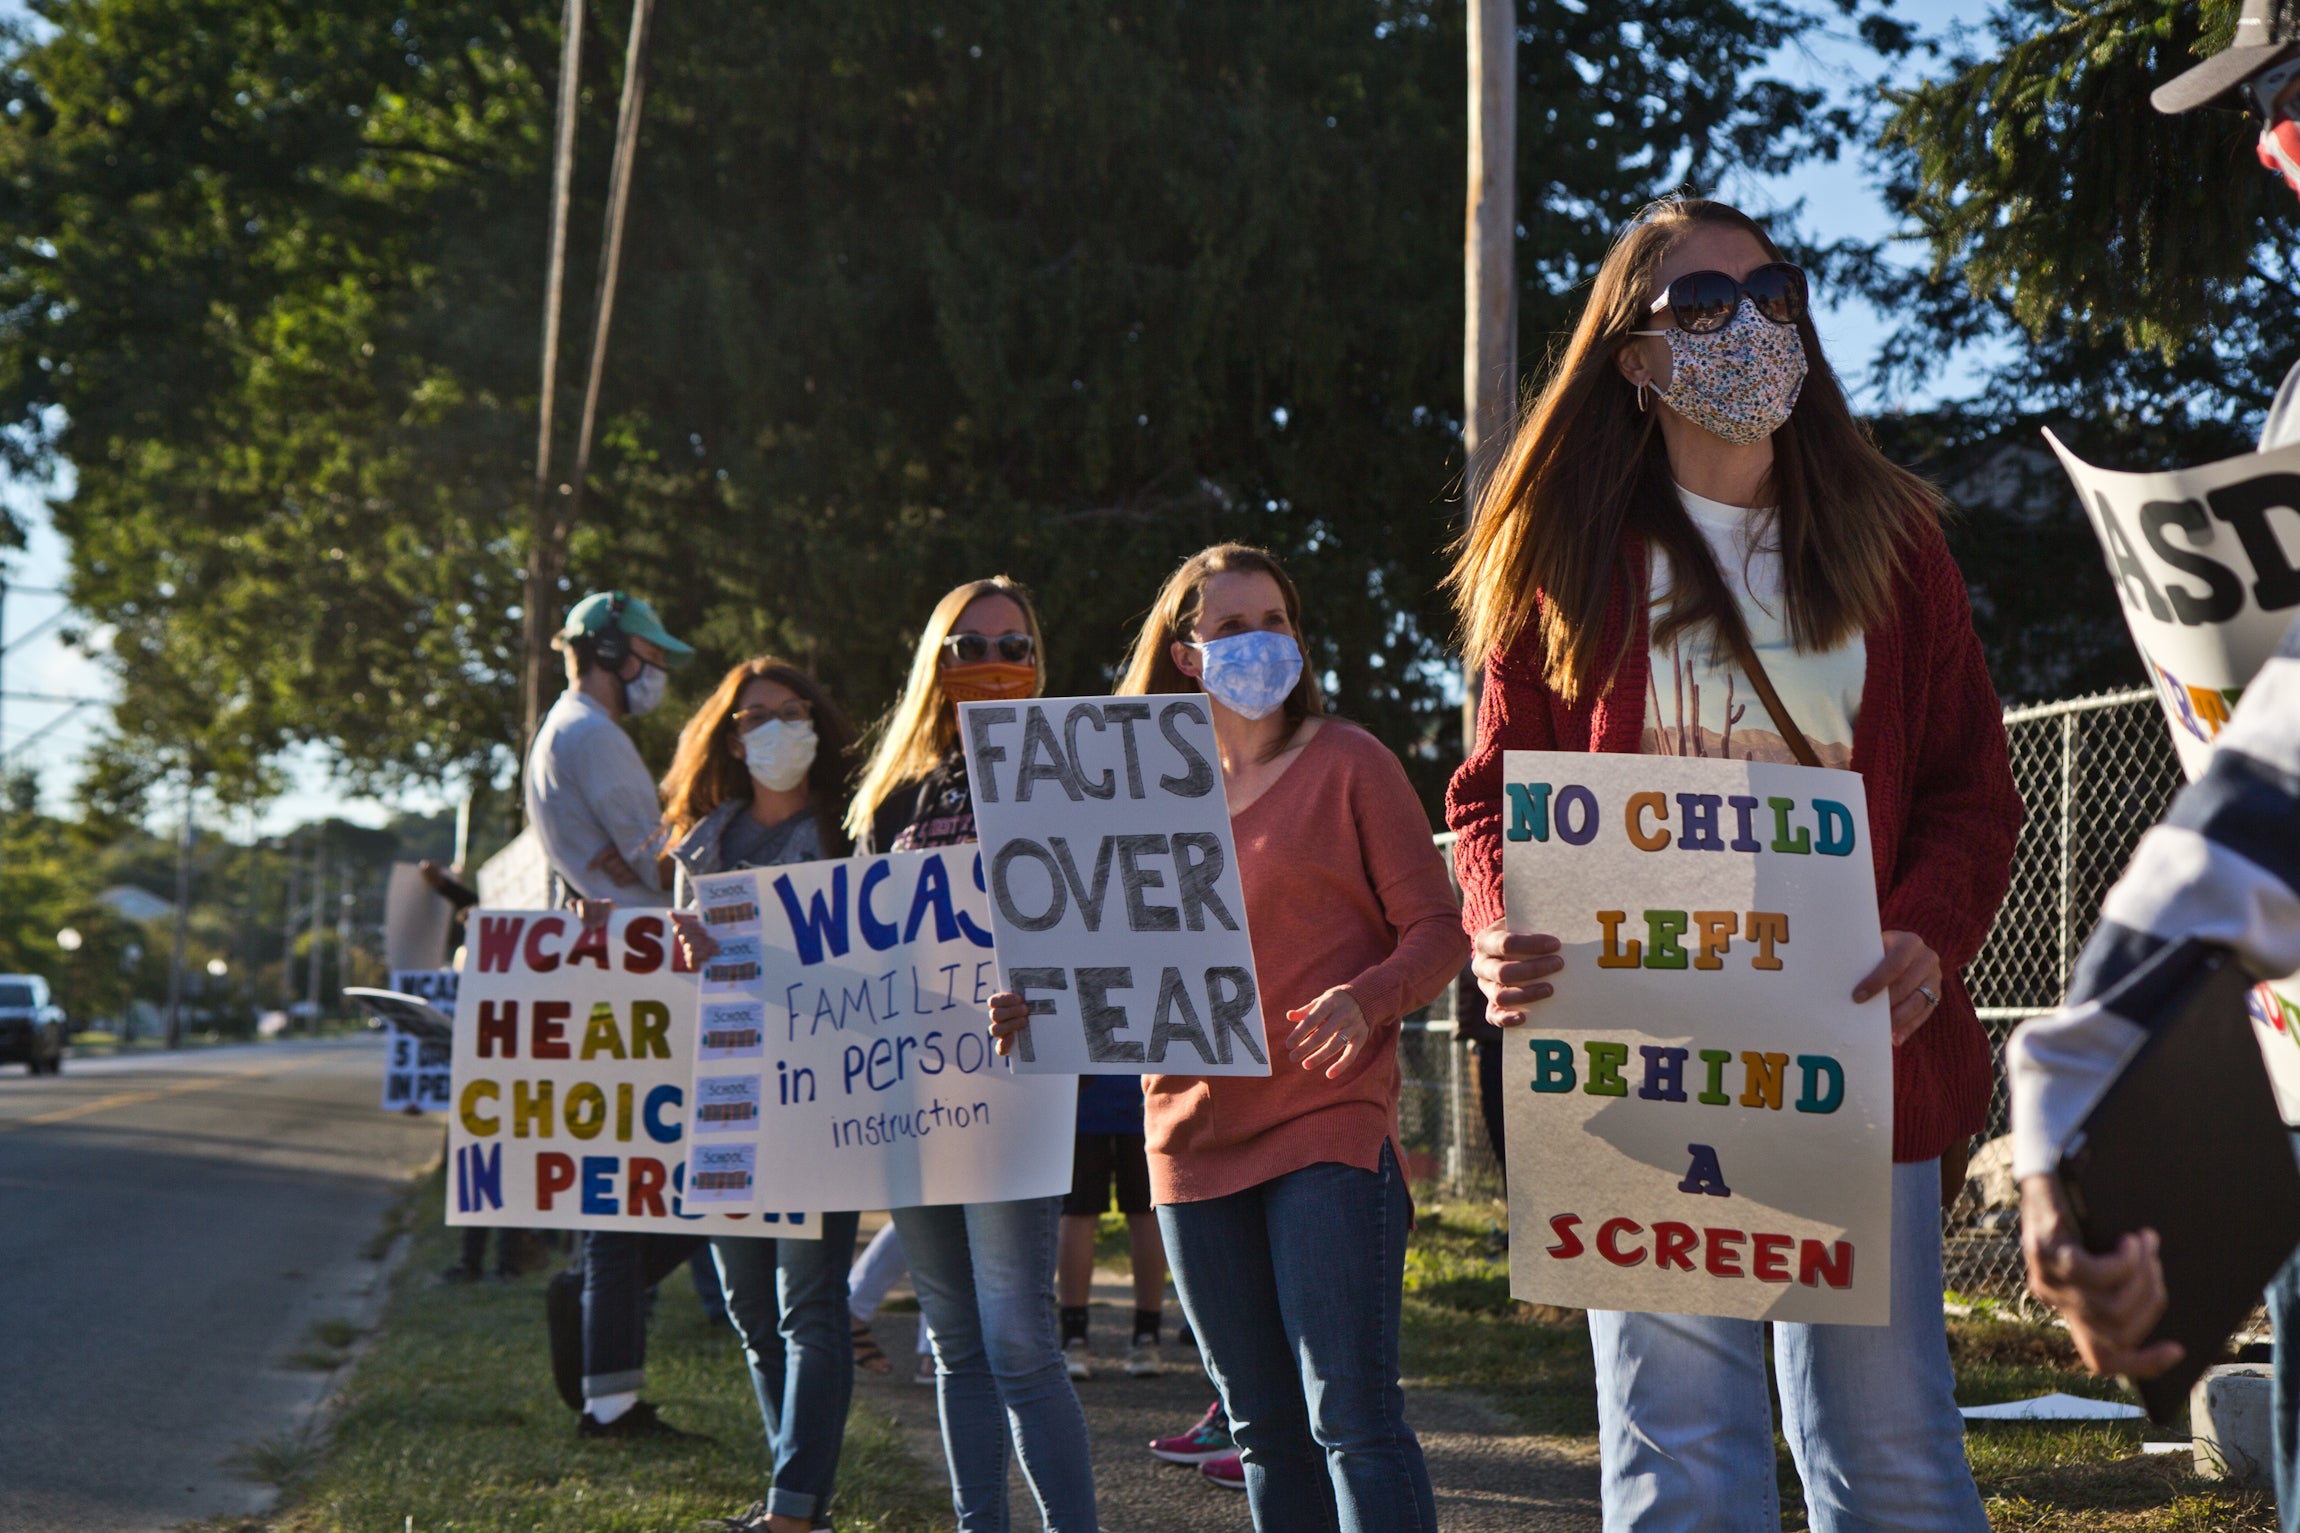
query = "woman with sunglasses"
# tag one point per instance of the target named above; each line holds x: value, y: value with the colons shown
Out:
x: 1282, y: 1198
x: 759, y: 779
x: 1688, y: 510
x: 984, y: 1272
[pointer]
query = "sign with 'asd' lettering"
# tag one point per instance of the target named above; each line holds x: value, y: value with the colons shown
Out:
x: 843, y: 1057
x: 570, y: 1080
x: 1699, y: 1119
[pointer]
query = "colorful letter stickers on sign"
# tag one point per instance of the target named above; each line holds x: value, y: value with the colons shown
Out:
x: 1700, y: 1120
x: 572, y: 1053
x: 843, y: 1060
x: 1114, y: 884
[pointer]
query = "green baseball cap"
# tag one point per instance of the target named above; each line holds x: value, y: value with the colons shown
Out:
x: 604, y: 611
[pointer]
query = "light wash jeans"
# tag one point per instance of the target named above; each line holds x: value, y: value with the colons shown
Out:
x: 788, y: 1300
x: 1293, y: 1287
x: 1685, y: 1429
x: 984, y: 1274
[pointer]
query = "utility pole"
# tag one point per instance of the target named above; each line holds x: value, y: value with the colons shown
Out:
x: 183, y: 917
x: 287, y: 925
x: 539, y: 599
x: 318, y: 906
x: 344, y: 901
x: 1489, y: 273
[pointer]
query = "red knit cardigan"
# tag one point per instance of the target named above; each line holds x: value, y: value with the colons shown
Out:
x: 1943, y: 811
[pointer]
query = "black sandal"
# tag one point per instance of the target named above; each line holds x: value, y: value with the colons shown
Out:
x: 868, y: 1357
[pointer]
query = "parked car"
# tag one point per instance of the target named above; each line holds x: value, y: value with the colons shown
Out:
x: 31, y: 1024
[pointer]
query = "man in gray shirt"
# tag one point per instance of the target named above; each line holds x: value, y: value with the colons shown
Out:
x: 589, y: 796
x: 592, y: 803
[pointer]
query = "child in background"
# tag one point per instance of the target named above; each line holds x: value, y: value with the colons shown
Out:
x: 1110, y: 1157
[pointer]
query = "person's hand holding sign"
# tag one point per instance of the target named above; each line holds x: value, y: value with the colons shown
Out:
x: 696, y: 944
x: 1511, y: 968
x: 2111, y: 1301
x: 1009, y: 1015
x: 1911, y: 974
x: 1329, y: 1032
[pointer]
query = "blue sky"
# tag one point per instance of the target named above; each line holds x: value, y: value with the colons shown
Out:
x: 1839, y: 200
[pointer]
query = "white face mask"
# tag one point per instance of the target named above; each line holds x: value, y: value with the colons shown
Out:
x: 780, y: 753
x: 644, y: 691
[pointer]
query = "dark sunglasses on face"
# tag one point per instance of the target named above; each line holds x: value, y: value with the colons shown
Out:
x: 975, y: 648
x: 1704, y: 302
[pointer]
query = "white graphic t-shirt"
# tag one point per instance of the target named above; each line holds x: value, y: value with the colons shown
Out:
x: 1699, y: 704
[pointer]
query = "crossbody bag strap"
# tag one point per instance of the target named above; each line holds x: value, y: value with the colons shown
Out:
x: 1754, y: 669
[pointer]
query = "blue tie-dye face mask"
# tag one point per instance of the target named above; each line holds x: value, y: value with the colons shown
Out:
x: 1251, y: 674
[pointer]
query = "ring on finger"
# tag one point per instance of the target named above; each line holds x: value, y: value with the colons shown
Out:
x: 1927, y: 992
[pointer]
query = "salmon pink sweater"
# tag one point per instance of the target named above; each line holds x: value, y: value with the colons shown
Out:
x: 1343, y: 887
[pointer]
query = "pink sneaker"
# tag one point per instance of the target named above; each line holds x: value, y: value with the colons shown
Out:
x: 1209, y: 1439
x: 1227, y: 1471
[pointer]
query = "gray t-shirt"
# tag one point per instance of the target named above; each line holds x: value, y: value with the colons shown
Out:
x: 587, y: 790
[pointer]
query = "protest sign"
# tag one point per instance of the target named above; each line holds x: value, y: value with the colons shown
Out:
x: 416, y: 1071
x: 1699, y: 1119
x: 416, y: 919
x: 572, y: 1057
x: 2207, y: 564
x: 1113, y: 885
x: 843, y: 1059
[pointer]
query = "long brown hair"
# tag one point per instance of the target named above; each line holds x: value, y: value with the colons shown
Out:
x: 1586, y: 469
x: 921, y: 728
x: 705, y: 772
x: 1173, y: 617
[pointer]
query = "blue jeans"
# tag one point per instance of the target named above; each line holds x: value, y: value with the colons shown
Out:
x: 618, y: 1269
x: 1685, y: 1429
x: 984, y: 1274
x: 1293, y: 1287
x: 2284, y: 1315
x: 788, y: 1300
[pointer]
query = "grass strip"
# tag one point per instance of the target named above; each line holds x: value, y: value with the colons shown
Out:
x: 449, y: 1421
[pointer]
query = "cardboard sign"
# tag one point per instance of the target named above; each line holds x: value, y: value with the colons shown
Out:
x: 842, y: 1058
x: 1700, y: 1121
x: 417, y: 1073
x: 416, y: 920
x: 1113, y: 884
x: 572, y: 1053
x: 2207, y: 563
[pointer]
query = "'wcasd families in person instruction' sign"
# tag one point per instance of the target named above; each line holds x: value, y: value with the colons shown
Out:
x: 843, y: 1058
x: 1700, y: 1120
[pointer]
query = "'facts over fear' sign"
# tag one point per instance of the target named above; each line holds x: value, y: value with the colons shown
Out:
x: 1113, y: 882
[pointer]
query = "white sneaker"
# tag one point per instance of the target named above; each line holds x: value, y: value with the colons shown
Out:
x: 1143, y: 1362
x: 1074, y: 1354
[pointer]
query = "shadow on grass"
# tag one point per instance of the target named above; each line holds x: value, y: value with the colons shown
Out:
x: 450, y: 1418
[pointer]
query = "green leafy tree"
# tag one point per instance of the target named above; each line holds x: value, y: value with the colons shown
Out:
x: 911, y: 294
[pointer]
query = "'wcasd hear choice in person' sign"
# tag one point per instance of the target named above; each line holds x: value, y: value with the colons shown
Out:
x: 572, y: 1053
x: 1699, y: 1120
x: 1114, y: 885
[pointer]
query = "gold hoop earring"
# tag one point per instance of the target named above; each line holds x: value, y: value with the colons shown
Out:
x: 1641, y: 387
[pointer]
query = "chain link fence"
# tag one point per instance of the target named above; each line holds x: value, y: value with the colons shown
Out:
x: 2094, y: 772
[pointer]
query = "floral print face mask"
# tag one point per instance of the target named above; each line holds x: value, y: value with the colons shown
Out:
x: 1739, y: 383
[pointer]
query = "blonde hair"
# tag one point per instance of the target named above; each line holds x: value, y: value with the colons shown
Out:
x: 1586, y: 470
x: 913, y: 736
x: 1173, y: 617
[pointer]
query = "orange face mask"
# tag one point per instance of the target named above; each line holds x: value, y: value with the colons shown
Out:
x: 988, y: 681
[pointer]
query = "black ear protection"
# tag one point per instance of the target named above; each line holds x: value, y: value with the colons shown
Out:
x: 610, y: 646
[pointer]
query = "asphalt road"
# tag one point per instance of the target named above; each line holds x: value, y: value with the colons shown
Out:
x: 171, y: 1228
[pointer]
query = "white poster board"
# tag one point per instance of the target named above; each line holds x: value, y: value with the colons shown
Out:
x: 572, y: 1058
x: 1699, y: 1119
x: 417, y: 1073
x: 416, y: 918
x: 2207, y: 564
x: 1113, y: 884
x: 843, y: 1057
